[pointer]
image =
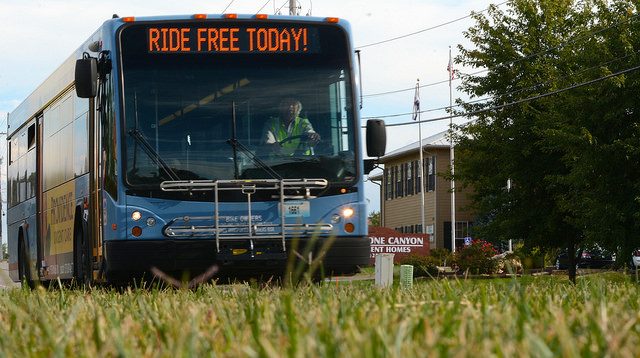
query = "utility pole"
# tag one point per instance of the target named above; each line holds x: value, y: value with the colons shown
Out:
x: 416, y: 116
x: 451, y: 154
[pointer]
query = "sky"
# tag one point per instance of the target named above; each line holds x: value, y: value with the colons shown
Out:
x: 38, y: 35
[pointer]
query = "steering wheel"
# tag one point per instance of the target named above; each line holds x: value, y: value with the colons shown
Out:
x: 304, y: 138
x: 302, y: 147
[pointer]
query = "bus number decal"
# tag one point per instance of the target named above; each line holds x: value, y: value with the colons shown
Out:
x: 297, y: 209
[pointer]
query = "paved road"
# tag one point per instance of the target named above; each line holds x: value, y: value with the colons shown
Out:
x: 5, y: 281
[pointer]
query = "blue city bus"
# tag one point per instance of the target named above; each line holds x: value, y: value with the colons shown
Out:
x: 149, y: 147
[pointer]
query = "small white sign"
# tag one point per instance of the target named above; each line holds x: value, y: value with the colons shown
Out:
x: 430, y: 229
x: 294, y: 209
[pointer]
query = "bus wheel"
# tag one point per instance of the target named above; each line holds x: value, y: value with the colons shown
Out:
x: 24, y: 269
x: 81, y: 264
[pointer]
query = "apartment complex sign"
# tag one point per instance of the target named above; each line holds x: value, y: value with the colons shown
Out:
x: 388, y: 241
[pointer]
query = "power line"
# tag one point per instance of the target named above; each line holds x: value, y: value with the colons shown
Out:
x: 507, y: 93
x: 225, y: 9
x: 507, y: 63
x: 407, y: 113
x: 280, y: 8
x: 265, y: 4
x: 583, y: 35
x: 424, y: 85
x: 428, y: 28
x: 563, y: 77
x: 405, y: 89
x: 472, y: 113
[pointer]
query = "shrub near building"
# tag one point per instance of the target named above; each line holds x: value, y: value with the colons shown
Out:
x: 477, y: 258
x: 423, y: 265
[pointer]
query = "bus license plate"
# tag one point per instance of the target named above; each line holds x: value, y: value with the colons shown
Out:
x: 297, y: 209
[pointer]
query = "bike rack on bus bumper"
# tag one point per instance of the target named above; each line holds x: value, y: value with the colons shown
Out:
x: 286, y: 189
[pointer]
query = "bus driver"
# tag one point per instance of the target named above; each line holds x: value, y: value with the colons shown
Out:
x: 289, y: 133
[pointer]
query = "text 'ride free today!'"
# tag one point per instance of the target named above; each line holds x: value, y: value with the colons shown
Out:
x: 228, y: 39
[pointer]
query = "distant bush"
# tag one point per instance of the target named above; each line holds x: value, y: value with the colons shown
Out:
x: 477, y: 258
x: 423, y: 265
x: 508, y: 263
x: 531, y: 258
x: 444, y: 256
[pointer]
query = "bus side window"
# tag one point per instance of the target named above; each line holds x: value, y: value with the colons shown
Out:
x: 22, y: 167
x: 30, y: 161
x: 31, y: 136
x: 12, y: 170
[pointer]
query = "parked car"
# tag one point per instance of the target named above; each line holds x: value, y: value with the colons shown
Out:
x: 588, y: 257
x: 635, y: 257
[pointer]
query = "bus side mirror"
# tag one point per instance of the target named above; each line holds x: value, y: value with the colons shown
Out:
x: 376, y: 138
x: 86, y: 77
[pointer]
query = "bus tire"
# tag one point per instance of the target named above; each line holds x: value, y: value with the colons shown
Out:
x: 81, y: 259
x: 24, y: 269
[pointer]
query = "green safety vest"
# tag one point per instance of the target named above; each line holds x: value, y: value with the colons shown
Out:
x: 300, y: 126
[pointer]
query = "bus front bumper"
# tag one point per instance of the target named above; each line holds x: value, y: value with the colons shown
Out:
x: 130, y: 258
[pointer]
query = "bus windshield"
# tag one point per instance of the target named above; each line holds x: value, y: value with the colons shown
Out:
x: 199, y: 105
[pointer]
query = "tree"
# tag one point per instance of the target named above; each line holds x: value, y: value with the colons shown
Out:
x: 604, y: 155
x: 553, y: 148
x: 374, y: 218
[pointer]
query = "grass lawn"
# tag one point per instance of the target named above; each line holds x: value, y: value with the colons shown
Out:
x: 542, y: 316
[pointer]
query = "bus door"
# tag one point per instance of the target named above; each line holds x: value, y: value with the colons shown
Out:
x: 37, y: 137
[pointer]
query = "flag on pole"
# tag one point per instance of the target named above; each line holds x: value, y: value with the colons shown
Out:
x: 416, y: 102
x: 450, y: 69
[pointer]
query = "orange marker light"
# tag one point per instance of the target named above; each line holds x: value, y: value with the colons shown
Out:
x: 333, y: 20
x: 136, y: 231
x: 343, y: 190
x: 262, y: 16
x: 349, y: 227
x: 114, y: 227
x: 129, y: 19
x: 230, y: 16
x: 200, y: 16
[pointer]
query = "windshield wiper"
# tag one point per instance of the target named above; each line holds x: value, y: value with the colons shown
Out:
x: 236, y: 144
x: 139, y: 137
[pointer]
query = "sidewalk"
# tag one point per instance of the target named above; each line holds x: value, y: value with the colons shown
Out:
x: 5, y: 281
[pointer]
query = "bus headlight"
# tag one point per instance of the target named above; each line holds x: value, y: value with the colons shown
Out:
x: 136, y: 215
x: 347, y: 213
x: 335, y: 219
x: 151, y: 221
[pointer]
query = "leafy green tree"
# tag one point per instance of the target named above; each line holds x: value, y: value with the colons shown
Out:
x: 374, y: 218
x: 555, y: 149
x: 601, y: 143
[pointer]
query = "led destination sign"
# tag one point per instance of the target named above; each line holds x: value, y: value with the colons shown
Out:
x: 198, y: 39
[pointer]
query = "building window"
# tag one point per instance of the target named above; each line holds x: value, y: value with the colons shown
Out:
x: 388, y: 188
x: 462, y: 229
x: 431, y: 173
x: 409, y: 170
x: 419, y: 228
x: 398, y: 172
x: 392, y: 174
x: 418, y: 175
